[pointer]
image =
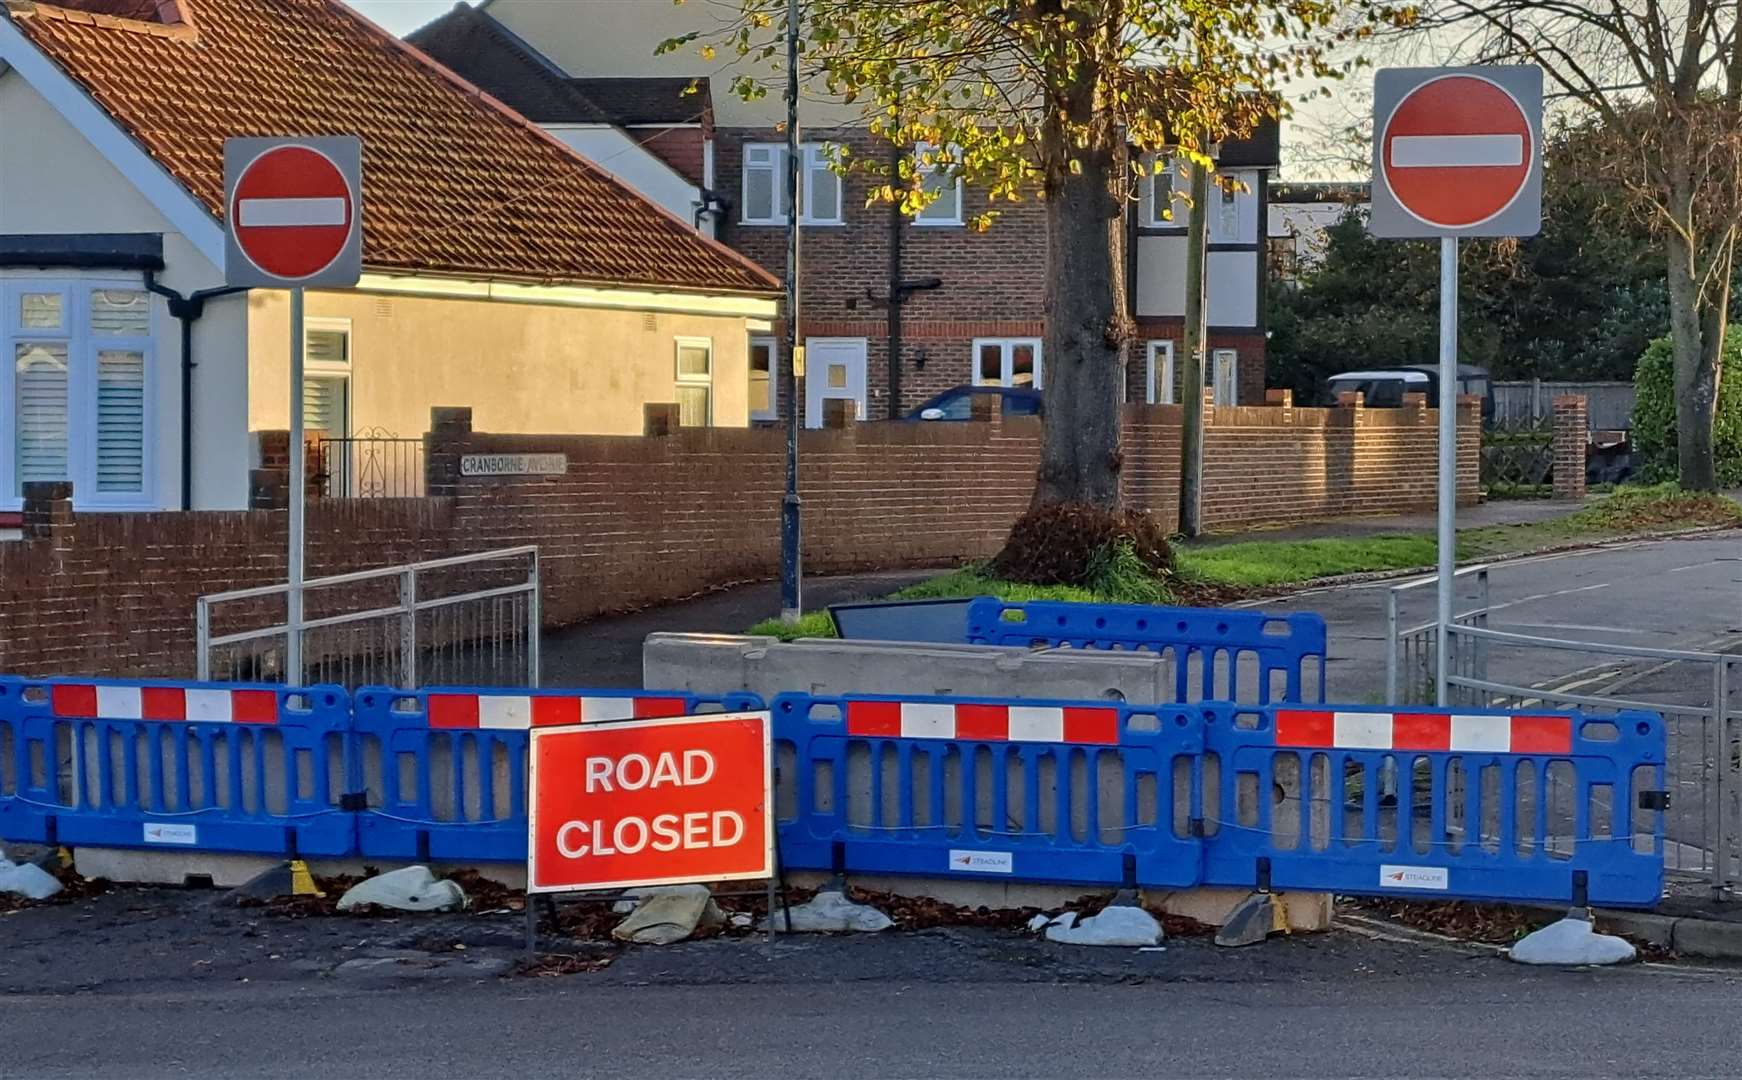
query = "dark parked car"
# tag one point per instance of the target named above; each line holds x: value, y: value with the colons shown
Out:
x: 1384, y: 388
x: 957, y: 403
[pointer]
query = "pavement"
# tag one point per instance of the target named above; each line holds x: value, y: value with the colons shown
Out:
x: 148, y: 983
x: 607, y: 652
x: 1498, y: 512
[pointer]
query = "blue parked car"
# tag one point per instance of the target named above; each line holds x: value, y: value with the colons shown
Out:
x: 957, y: 403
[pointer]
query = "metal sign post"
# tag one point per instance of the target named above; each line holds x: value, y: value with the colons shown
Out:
x: 293, y: 218
x: 298, y: 501
x: 1456, y: 152
x: 1447, y: 540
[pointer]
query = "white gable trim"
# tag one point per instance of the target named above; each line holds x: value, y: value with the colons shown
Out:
x: 175, y: 202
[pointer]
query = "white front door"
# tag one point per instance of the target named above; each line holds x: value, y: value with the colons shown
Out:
x: 833, y: 368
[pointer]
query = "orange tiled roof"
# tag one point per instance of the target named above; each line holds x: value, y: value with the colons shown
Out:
x: 454, y: 182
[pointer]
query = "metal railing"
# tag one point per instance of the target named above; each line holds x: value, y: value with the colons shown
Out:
x: 371, y: 464
x: 1694, y: 690
x: 1411, y: 657
x: 470, y: 620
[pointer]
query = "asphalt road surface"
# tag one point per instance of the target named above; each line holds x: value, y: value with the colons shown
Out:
x: 1562, y: 1024
x: 141, y: 984
x: 1664, y: 594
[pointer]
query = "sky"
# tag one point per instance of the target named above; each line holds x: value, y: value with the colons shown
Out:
x: 402, y: 16
x: 1306, y: 136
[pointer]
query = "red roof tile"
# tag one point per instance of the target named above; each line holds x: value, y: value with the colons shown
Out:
x: 454, y: 182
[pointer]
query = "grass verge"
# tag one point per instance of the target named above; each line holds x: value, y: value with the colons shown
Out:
x: 1227, y: 571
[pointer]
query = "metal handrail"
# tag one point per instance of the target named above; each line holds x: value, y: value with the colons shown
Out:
x: 409, y: 607
x: 368, y: 575
x: 1479, y: 568
x: 1643, y: 652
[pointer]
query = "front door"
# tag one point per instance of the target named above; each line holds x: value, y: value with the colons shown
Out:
x: 834, y: 368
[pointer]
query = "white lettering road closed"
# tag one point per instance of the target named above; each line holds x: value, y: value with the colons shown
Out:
x: 650, y: 802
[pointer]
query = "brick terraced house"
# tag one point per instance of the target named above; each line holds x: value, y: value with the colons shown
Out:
x: 503, y: 271
x: 971, y: 302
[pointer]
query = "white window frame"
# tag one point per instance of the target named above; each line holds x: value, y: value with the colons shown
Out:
x: 1233, y: 358
x: 773, y: 343
x: 1007, y: 361
x: 816, y: 157
x: 1160, y: 382
x: 1149, y: 214
x: 706, y: 381
x: 331, y: 369
x: 75, y: 290
x: 920, y: 168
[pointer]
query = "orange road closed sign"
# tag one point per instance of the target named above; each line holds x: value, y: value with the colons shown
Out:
x: 650, y: 802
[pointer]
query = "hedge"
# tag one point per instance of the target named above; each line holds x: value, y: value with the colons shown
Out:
x: 1654, y: 434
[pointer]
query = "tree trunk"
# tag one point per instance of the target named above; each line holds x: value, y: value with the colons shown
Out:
x: 1695, y: 370
x: 1696, y: 353
x: 1087, y: 326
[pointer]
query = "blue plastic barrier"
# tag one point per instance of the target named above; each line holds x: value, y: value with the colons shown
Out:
x: 1488, y: 804
x: 444, y: 770
x: 166, y: 765
x: 1024, y: 790
x: 1218, y: 653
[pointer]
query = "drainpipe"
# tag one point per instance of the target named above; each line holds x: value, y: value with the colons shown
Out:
x: 895, y: 296
x: 188, y: 309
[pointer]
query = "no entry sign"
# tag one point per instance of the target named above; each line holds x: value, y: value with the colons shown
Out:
x: 293, y: 209
x: 650, y: 802
x: 1457, y: 152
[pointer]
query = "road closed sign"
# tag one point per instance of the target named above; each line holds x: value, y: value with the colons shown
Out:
x: 650, y: 802
x: 1457, y: 152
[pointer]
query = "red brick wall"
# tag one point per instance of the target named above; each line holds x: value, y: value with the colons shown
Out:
x: 993, y: 281
x: 637, y: 521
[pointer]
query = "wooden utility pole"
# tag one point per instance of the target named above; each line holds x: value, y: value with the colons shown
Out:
x: 1192, y: 376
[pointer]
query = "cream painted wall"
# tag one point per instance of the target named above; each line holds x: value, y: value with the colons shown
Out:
x: 521, y: 367
x: 53, y: 181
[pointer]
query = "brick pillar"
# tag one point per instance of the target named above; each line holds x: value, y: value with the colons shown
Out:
x: 840, y: 414
x: 450, y: 428
x: 48, y: 512
x: 269, y: 485
x: 1571, y: 435
x: 661, y: 418
x: 987, y: 409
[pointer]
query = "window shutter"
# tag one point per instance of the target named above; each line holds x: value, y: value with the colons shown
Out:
x: 120, y: 420
x: 323, y: 406
x: 41, y: 388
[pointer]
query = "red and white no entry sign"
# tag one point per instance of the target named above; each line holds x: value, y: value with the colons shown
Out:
x: 292, y: 208
x: 1457, y: 151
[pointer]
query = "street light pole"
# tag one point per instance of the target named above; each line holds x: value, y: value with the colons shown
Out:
x: 790, y: 570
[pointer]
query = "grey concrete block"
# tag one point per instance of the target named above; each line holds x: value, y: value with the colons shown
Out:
x: 1708, y: 938
x: 718, y: 663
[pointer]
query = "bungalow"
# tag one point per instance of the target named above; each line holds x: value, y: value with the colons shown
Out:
x: 501, y: 269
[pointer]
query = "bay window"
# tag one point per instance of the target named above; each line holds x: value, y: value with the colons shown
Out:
x: 75, y: 389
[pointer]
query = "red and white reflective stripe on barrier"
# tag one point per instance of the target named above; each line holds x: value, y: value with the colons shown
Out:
x: 518, y: 712
x: 205, y: 705
x: 1458, y: 732
x: 986, y: 723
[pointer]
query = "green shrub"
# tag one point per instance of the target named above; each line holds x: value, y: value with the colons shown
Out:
x: 1654, y: 433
